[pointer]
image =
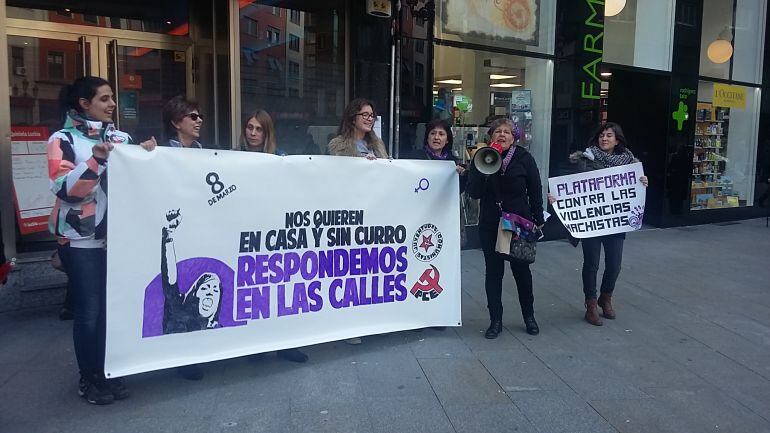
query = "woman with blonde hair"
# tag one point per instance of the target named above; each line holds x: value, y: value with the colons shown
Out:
x: 258, y: 134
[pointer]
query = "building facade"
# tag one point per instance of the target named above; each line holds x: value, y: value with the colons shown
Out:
x: 687, y: 80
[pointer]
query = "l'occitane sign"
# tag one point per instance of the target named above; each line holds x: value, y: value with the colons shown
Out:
x: 726, y: 95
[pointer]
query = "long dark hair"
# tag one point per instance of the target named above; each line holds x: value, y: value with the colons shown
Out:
x: 443, y: 124
x: 348, y: 124
x: 622, y: 143
x: 83, y: 87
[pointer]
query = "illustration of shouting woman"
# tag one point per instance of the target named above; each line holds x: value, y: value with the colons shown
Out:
x: 198, y: 307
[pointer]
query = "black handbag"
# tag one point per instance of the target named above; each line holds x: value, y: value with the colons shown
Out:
x: 517, y: 238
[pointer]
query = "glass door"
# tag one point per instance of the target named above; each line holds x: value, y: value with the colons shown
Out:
x: 39, y: 65
x: 144, y: 76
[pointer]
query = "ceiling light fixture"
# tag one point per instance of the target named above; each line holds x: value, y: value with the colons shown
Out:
x: 721, y: 49
x: 500, y: 77
x: 450, y: 81
x: 505, y: 85
x: 606, y: 74
x: 613, y: 7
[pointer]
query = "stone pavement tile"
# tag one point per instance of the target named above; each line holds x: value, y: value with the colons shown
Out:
x: 247, y: 416
x: 647, y: 367
x: 710, y: 407
x: 715, y: 368
x: 520, y: 371
x: 37, y: 335
x: 756, y: 398
x: 650, y: 415
x: 332, y: 417
x: 444, y: 344
x: 591, y: 377
x: 408, y: 415
x: 732, y: 345
x: 392, y: 376
x: 560, y: 412
x: 498, y: 417
x: 333, y: 382
x: 472, y: 334
x: 462, y: 381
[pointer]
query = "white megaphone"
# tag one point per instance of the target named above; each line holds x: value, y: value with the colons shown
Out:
x: 488, y: 160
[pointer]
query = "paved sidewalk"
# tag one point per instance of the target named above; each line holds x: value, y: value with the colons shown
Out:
x: 689, y: 352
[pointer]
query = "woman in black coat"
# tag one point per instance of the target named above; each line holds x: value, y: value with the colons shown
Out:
x: 437, y: 145
x: 514, y: 188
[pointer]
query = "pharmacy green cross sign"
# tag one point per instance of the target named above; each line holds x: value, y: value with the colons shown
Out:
x: 680, y: 115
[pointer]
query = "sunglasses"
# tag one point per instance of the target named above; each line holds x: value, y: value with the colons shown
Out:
x: 194, y: 116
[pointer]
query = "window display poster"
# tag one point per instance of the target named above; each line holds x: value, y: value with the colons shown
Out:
x: 32, y: 196
x: 521, y: 100
x: 510, y: 20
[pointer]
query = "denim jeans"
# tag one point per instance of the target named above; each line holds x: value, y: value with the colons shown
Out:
x: 87, y: 273
x: 493, y: 282
x: 613, y: 256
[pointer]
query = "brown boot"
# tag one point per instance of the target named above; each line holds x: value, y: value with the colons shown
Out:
x: 592, y: 314
x: 605, y: 301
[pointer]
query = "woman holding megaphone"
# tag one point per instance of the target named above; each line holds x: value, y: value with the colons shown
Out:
x: 506, y: 179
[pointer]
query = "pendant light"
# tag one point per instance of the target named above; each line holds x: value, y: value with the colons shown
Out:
x: 721, y: 49
x: 613, y: 7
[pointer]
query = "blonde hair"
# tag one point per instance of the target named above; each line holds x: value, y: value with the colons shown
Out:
x: 264, y: 119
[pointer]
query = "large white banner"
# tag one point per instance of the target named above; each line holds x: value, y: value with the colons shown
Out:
x: 600, y: 202
x: 218, y: 254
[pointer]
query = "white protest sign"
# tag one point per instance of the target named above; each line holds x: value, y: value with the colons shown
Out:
x: 218, y: 254
x: 600, y: 202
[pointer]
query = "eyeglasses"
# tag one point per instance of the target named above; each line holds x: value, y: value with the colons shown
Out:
x: 194, y: 116
x: 366, y: 116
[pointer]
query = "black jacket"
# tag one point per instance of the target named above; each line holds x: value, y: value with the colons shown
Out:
x: 425, y: 155
x: 518, y: 187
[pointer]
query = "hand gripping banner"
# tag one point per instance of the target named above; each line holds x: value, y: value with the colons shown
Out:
x: 219, y: 254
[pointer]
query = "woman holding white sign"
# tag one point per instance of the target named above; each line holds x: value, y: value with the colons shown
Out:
x: 77, y: 167
x: 607, y: 148
x: 515, y: 188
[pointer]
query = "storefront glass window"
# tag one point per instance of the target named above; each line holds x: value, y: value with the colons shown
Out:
x: 156, y: 17
x: 732, y: 39
x: 640, y: 35
x: 526, y: 25
x: 724, y: 158
x: 294, y: 70
x: 473, y: 87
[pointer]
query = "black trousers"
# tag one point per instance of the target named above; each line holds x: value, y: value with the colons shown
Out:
x: 613, y: 256
x: 493, y: 283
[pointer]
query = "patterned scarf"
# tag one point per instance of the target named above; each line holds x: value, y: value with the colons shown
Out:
x: 90, y: 128
x: 443, y: 155
x: 508, y: 157
x: 609, y: 159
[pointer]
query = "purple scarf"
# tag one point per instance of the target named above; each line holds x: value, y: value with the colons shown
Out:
x: 443, y: 155
x: 508, y: 157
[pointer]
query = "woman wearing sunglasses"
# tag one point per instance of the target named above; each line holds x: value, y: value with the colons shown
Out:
x: 182, y: 122
x: 355, y: 136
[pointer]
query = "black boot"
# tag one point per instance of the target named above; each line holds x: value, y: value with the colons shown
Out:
x: 495, y: 328
x: 531, y: 324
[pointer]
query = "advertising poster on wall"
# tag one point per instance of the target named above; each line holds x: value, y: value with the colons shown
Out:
x: 29, y: 165
x: 505, y: 20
